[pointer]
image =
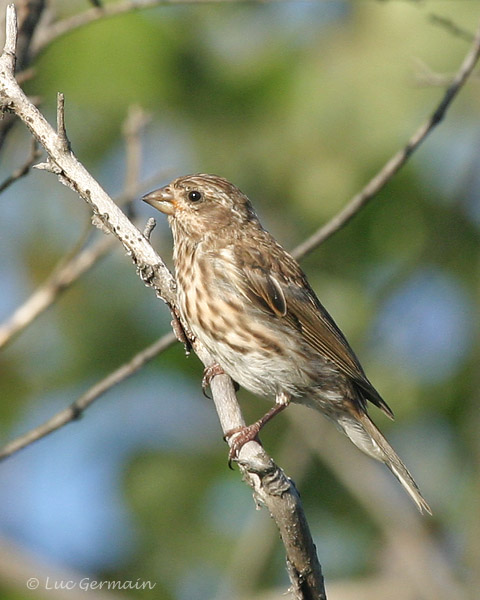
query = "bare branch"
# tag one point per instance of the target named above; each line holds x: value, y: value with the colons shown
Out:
x: 425, y: 76
x: 75, y: 410
x: 30, y: 12
x: 35, y: 154
x: 134, y: 124
x: 11, y: 30
x: 255, y: 544
x: 270, y: 485
x: 67, y: 25
x: 149, y: 227
x: 397, y: 161
x: 273, y: 489
x: 65, y: 274
x: 62, y: 277
x: 73, y: 174
x: 451, y: 27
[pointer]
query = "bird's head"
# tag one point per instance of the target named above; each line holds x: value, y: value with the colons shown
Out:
x: 202, y: 204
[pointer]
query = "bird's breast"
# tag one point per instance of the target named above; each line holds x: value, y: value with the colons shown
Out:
x: 256, y: 350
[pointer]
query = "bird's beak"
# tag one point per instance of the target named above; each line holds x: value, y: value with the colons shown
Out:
x: 161, y: 199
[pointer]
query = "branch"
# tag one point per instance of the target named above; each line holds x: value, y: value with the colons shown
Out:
x: 273, y: 489
x: 73, y: 174
x: 68, y: 271
x: 397, y: 161
x: 30, y: 12
x: 35, y: 154
x: 133, y: 126
x: 61, y: 278
x: 69, y: 24
x: 271, y: 486
x: 426, y: 77
x: 450, y: 26
x: 79, y: 261
x: 75, y: 410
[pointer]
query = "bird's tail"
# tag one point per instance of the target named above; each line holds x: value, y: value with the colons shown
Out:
x: 365, y: 435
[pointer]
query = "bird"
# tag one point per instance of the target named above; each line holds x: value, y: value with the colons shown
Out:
x: 247, y: 300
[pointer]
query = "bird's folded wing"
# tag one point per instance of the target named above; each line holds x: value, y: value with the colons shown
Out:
x: 292, y: 299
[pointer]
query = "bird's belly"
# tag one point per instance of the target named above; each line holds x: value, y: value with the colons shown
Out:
x: 260, y: 360
x: 259, y: 353
x: 259, y: 372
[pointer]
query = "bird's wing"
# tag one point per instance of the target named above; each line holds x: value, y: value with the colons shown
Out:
x: 281, y: 289
x: 265, y: 289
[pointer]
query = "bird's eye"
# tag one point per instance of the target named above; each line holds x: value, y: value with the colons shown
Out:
x: 194, y: 196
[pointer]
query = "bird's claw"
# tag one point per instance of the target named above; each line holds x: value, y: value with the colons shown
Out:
x: 244, y: 434
x: 208, y: 374
x: 180, y: 333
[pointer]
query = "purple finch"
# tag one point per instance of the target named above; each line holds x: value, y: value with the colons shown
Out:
x: 250, y: 304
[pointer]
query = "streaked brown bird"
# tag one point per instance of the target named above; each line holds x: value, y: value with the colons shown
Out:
x: 248, y: 301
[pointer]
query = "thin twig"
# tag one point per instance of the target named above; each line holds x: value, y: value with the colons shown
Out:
x: 70, y: 268
x: 397, y: 161
x: 133, y: 128
x: 30, y: 12
x: 149, y: 227
x: 426, y: 77
x: 75, y: 410
x: 451, y: 27
x: 61, y: 278
x: 80, y: 259
x: 61, y: 130
x: 35, y: 154
x: 69, y: 24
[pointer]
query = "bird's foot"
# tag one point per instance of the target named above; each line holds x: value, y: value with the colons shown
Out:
x: 250, y: 432
x: 208, y: 374
x: 241, y: 436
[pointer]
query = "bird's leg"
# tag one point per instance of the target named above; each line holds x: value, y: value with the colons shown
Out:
x: 248, y: 433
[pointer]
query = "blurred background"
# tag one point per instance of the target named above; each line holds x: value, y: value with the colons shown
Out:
x: 299, y: 104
